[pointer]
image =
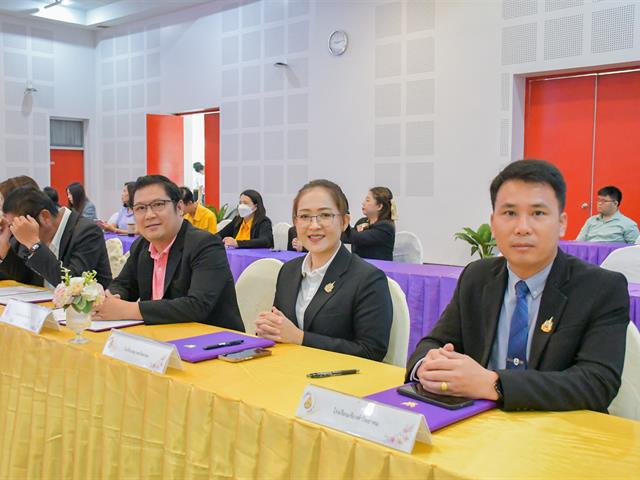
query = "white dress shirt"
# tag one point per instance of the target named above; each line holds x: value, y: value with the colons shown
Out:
x: 311, y: 281
x: 54, y: 246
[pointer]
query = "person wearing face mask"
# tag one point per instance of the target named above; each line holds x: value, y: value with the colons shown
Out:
x: 251, y: 228
x: 328, y: 299
x: 374, y: 235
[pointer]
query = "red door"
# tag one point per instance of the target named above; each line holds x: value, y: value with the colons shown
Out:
x: 617, y: 152
x: 559, y: 128
x: 67, y: 166
x: 165, y: 146
x: 212, y: 158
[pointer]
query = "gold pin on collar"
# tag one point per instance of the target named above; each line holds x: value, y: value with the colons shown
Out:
x: 329, y: 287
x: 547, y: 325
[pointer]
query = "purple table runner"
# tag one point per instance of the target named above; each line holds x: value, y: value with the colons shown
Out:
x: 125, y: 239
x: 592, y: 252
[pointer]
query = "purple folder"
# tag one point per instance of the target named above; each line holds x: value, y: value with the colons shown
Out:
x: 437, y: 417
x: 191, y: 348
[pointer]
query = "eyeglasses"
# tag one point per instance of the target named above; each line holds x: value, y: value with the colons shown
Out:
x: 323, y: 219
x: 156, y: 206
x: 601, y: 200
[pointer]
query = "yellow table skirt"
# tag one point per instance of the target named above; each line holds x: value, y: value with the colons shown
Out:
x: 67, y: 412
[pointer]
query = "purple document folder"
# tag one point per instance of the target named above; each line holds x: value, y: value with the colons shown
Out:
x: 436, y: 417
x: 191, y: 348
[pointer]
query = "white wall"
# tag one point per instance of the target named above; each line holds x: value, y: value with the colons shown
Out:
x: 193, y: 146
x: 421, y: 101
x: 59, y: 61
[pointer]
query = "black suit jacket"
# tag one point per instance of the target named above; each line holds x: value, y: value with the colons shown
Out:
x: 82, y: 248
x: 198, y: 286
x: 261, y: 233
x: 577, y: 365
x: 354, y: 317
x: 375, y: 242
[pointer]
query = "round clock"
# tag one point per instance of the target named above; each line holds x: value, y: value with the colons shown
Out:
x: 338, y: 42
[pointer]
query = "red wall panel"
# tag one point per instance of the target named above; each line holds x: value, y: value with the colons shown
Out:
x: 66, y: 166
x: 165, y: 146
x: 212, y: 158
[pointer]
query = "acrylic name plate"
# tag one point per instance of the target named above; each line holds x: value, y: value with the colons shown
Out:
x: 142, y: 351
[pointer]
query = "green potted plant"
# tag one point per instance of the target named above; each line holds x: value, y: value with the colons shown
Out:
x: 221, y: 213
x: 481, y: 240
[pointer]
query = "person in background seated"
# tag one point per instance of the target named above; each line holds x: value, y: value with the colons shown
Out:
x: 293, y: 244
x: 120, y: 221
x: 175, y: 272
x: 374, y: 235
x: 52, y: 193
x: 535, y: 329
x: 36, y: 238
x: 197, y: 215
x: 329, y: 298
x: 609, y: 225
x: 78, y: 201
x: 251, y: 228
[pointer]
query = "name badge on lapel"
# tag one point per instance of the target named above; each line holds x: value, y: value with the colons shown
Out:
x: 547, y: 325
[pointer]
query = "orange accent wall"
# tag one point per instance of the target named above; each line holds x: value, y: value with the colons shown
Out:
x: 212, y: 158
x: 559, y: 128
x: 165, y: 146
x: 66, y: 166
x: 617, y: 149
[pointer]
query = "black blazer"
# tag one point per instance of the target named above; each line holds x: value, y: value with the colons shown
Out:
x: 198, y: 286
x: 353, y: 317
x: 577, y: 365
x: 82, y: 248
x: 261, y: 233
x: 375, y: 242
x: 291, y: 234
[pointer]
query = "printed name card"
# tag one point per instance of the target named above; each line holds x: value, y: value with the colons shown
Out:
x: 389, y: 426
x: 142, y: 351
x: 28, y: 316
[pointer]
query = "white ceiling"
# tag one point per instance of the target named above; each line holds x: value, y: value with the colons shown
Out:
x: 94, y: 13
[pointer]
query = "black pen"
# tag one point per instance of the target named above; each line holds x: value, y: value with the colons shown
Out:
x: 335, y: 373
x: 223, y: 344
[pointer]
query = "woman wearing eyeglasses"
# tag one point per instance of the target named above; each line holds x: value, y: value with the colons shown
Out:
x: 251, y: 228
x: 328, y: 299
x: 374, y: 235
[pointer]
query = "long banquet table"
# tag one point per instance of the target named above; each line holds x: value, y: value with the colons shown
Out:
x: 67, y: 411
x: 428, y: 287
x: 592, y: 252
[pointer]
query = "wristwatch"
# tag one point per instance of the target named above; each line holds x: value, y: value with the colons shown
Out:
x: 498, y: 388
x: 34, y: 248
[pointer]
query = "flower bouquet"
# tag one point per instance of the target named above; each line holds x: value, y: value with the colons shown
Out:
x: 78, y: 296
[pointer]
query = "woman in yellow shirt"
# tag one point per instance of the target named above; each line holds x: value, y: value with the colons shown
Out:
x: 251, y: 228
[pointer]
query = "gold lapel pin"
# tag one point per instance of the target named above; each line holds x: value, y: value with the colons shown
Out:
x: 329, y: 287
x: 547, y: 325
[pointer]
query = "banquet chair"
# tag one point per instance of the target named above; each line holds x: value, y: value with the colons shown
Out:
x: 627, y: 402
x: 399, y: 337
x: 116, y: 257
x: 408, y: 248
x: 223, y: 223
x: 625, y: 260
x: 281, y: 235
x: 256, y: 288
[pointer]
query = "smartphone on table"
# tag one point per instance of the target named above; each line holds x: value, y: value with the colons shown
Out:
x: 415, y: 391
x: 243, y: 355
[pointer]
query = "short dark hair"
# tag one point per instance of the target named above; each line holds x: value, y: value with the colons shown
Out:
x: 170, y: 188
x: 52, y: 193
x: 186, y: 194
x: 27, y: 200
x: 334, y: 190
x: 531, y: 171
x: 198, y: 167
x: 612, y: 192
x: 15, y: 182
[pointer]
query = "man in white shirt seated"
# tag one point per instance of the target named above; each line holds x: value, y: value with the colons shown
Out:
x: 609, y: 225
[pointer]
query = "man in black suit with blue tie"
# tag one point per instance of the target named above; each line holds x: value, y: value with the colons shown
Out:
x: 535, y: 329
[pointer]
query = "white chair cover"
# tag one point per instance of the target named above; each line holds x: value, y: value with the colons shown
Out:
x: 255, y: 289
x: 627, y: 402
x: 399, y: 338
x: 116, y: 258
x: 408, y: 248
x: 223, y: 223
x: 281, y: 235
x: 626, y: 261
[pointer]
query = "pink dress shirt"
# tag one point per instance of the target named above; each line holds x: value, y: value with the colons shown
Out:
x: 159, y: 269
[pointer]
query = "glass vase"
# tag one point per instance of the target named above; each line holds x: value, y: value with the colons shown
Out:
x: 78, y: 322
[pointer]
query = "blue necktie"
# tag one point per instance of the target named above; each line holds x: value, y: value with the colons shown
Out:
x: 519, y: 332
